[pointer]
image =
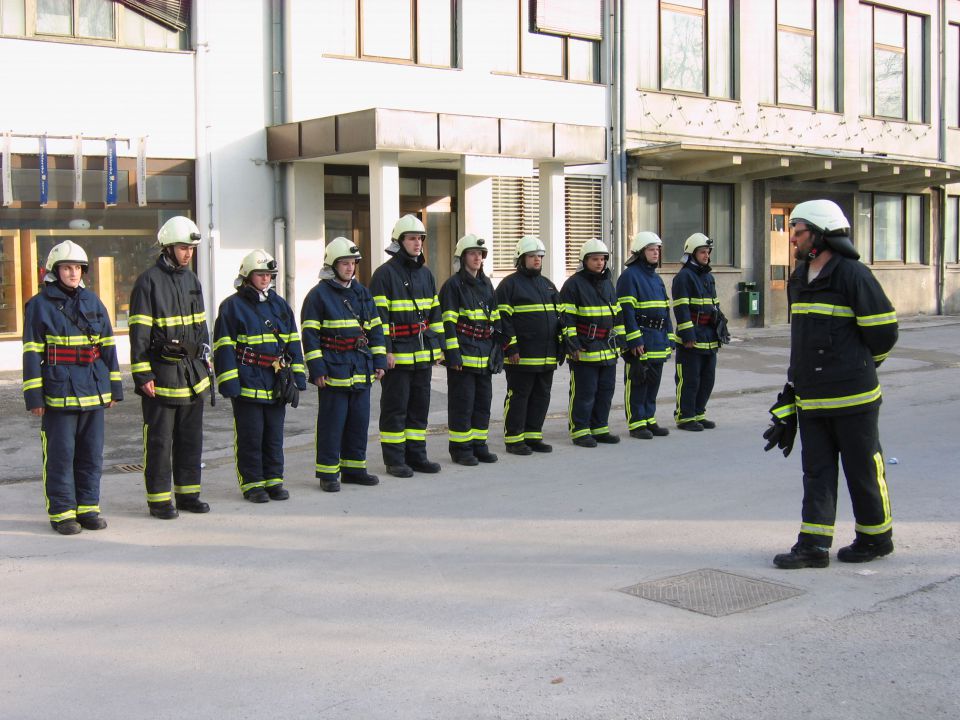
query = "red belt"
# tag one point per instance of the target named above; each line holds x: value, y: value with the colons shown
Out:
x: 83, y: 355
x: 702, y: 318
x: 407, y: 329
x: 338, y: 343
x: 474, y: 331
x: 248, y: 356
x: 592, y: 332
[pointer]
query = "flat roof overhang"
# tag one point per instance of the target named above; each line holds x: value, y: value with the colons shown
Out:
x: 433, y: 138
x: 689, y: 161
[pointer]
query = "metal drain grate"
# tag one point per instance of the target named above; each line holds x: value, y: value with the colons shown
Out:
x: 712, y: 592
x: 129, y: 468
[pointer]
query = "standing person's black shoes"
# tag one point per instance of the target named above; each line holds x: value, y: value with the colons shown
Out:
x: 607, y: 439
x: 586, y: 441
x: 256, y: 495
x: 803, y: 555
x: 194, y: 505
x: 91, y: 521
x: 66, y: 527
x: 519, y: 448
x: 329, y: 484
x: 641, y: 433
x: 360, y: 478
x: 400, y: 471
x: 464, y: 459
x: 424, y: 466
x: 164, y: 511
x: 278, y: 492
x: 657, y: 430
x: 861, y: 551
x: 692, y: 426
x: 539, y: 446
x: 707, y: 424
x: 483, y: 454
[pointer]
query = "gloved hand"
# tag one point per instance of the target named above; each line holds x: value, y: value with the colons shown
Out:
x: 639, y: 371
x: 783, y: 428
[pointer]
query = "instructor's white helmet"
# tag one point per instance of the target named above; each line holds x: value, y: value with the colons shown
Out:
x: 66, y: 252
x: 824, y: 216
x: 641, y: 241
x: 179, y: 231
x: 338, y: 249
x: 695, y: 242
x: 593, y: 247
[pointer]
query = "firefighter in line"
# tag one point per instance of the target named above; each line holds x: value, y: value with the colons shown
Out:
x: 70, y: 374
x: 593, y: 333
x: 528, y: 303
x: 255, y: 344
x: 842, y: 326
x: 406, y: 296
x: 345, y: 355
x: 696, y: 309
x: 649, y: 334
x: 472, y: 352
x: 169, y: 358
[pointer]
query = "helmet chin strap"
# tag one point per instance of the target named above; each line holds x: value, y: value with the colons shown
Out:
x: 817, y: 247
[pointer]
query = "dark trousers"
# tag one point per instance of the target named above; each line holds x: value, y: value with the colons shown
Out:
x: 855, y: 441
x: 695, y: 374
x: 404, y: 411
x: 258, y: 442
x: 343, y: 421
x: 640, y: 400
x: 172, y: 442
x: 72, y: 445
x: 468, y: 409
x: 526, y: 404
x: 591, y: 393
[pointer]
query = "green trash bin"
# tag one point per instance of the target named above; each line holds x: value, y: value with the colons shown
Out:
x: 749, y: 298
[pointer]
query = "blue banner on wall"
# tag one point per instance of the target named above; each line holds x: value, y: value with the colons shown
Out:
x: 44, y: 175
x: 112, y: 171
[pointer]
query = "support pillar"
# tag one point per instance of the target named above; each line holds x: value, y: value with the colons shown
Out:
x: 384, y: 204
x: 553, y: 223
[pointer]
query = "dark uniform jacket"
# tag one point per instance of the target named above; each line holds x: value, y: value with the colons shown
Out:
x: 245, y: 346
x: 342, y: 335
x: 842, y: 326
x: 646, y: 311
x: 58, y: 330
x: 695, y: 306
x: 405, y: 293
x: 168, y: 329
x: 529, y: 306
x: 591, y: 317
x: 471, y: 323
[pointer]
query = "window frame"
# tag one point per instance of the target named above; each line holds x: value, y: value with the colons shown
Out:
x: 953, y: 75
x: 923, y: 237
x: 951, y: 253
x: 804, y: 32
x: 526, y: 29
x: 907, y: 51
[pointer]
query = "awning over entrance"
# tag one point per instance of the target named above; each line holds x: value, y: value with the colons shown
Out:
x: 681, y: 161
x: 439, y: 134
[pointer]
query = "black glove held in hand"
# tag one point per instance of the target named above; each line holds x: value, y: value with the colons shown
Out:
x: 783, y: 431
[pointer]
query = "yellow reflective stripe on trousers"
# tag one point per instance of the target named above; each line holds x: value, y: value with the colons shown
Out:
x: 887, y: 523
x: 812, y: 529
x: 392, y: 438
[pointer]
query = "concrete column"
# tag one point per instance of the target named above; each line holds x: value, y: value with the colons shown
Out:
x: 553, y: 224
x: 384, y: 204
x: 477, y: 212
x: 305, y: 228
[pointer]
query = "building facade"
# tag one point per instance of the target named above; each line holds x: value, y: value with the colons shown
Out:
x: 283, y: 124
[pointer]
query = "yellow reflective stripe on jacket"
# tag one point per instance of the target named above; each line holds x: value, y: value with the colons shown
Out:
x: 257, y: 394
x: 33, y: 347
x: 183, y: 392
x: 587, y: 310
x: 597, y: 356
x: 140, y: 320
x: 425, y: 355
x: 695, y: 301
x: 356, y: 379
x: 406, y: 305
x: 880, y: 319
x: 115, y: 376
x: 140, y: 367
x: 72, y: 340
x: 33, y: 383
x: 536, y: 361
x: 800, y: 308
x: 72, y: 401
x: 228, y: 375
x: 225, y: 341
x: 839, y: 402
x: 706, y: 345
x: 313, y: 355
x: 538, y: 307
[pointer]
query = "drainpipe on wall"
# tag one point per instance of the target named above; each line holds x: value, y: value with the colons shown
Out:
x: 617, y: 158
x: 204, y: 162
x: 942, y: 155
x: 282, y: 249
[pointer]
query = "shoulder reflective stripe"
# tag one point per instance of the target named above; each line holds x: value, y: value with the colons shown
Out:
x: 880, y: 319
x: 839, y: 402
x: 821, y: 309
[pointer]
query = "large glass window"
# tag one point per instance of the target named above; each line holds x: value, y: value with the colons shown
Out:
x: 953, y: 76
x: 416, y: 31
x: 677, y: 210
x: 565, y: 58
x: 690, y: 49
x: 892, y: 64
x: 951, y: 230
x: 896, y: 227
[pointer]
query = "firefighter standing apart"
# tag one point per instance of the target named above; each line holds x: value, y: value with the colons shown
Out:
x: 345, y: 354
x: 593, y: 332
x: 169, y: 357
x: 256, y: 353
x: 70, y: 374
x: 472, y: 352
x: 842, y: 326
x: 406, y: 296
x: 697, y: 310
x: 529, y: 316
x: 649, y: 334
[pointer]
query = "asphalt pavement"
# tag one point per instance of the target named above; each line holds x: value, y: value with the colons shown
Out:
x: 502, y: 591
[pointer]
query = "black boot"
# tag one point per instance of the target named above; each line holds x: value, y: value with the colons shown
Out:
x: 861, y: 551
x: 256, y: 495
x: 657, y: 430
x: 329, y: 484
x: 192, y: 504
x: 91, y: 521
x: 539, y: 446
x: 642, y: 433
x: 483, y: 454
x: 164, y: 511
x: 803, y: 555
x: 66, y: 527
x: 519, y: 448
x: 360, y: 478
x: 424, y: 466
x: 278, y: 492
x: 607, y: 438
x: 400, y: 471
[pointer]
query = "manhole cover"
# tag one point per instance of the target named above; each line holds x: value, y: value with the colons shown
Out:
x: 712, y: 592
x: 129, y: 468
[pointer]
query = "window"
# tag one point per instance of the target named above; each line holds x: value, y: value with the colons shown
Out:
x: 516, y: 212
x: 892, y: 64
x: 422, y: 32
x: 677, y: 210
x: 804, y: 73
x: 157, y: 24
x: 892, y: 228
x: 951, y: 231
x: 690, y: 50
x: 953, y: 75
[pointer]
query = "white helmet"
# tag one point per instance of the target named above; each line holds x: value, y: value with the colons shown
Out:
x: 824, y: 216
x: 641, y: 241
x: 593, y: 247
x: 258, y: 261
x: 529, y: 244
x: 179, y: 231
x: 405, y: 225
x: 471, y: 242
x: 338, y: 249
x: 695, y: 242
x: 66, y: 252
